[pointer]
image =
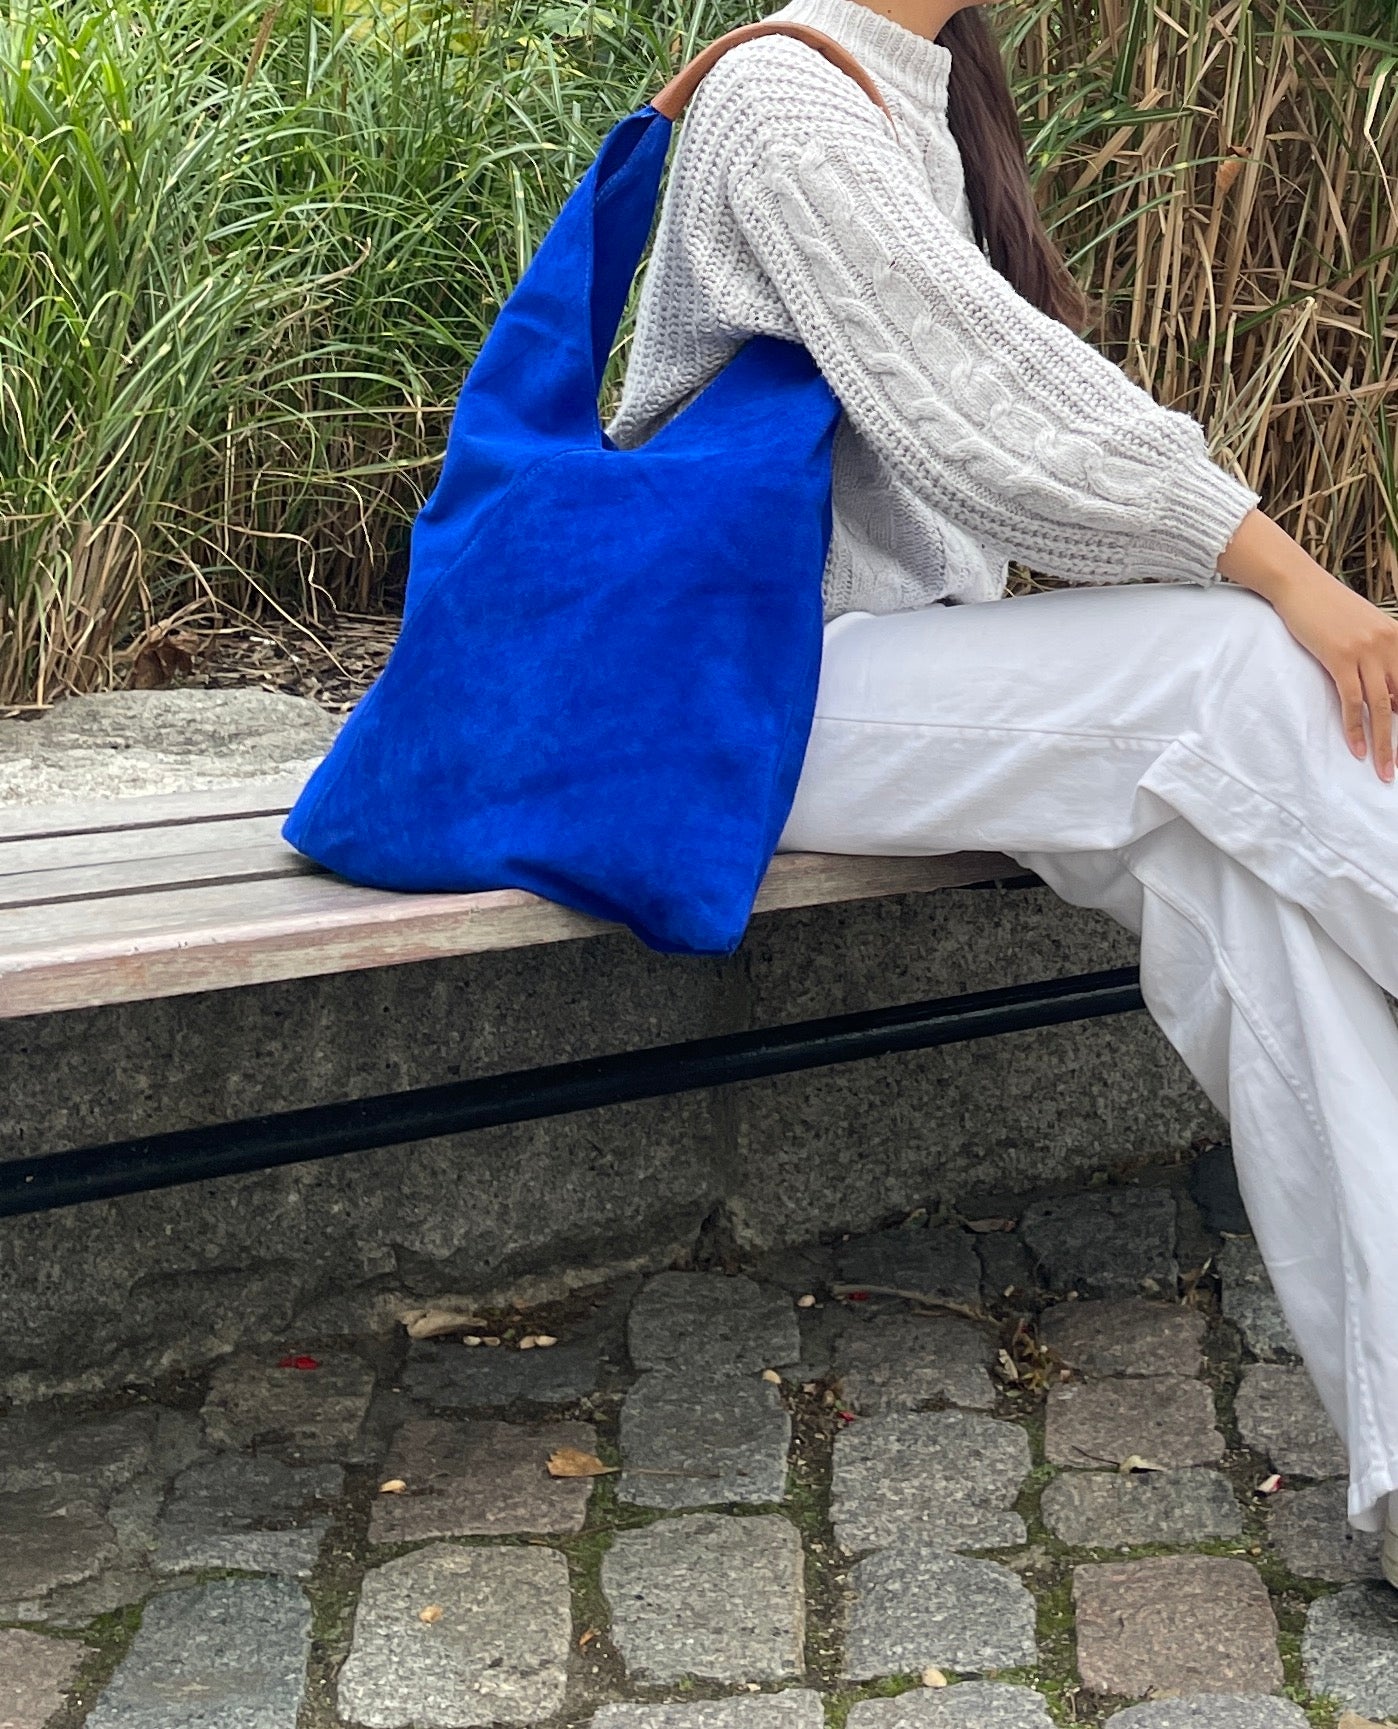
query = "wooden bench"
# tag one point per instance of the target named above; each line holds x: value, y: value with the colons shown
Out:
x: 153, y: 897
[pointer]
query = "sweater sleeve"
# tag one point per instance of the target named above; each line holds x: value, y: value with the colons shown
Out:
x: 995, y: 413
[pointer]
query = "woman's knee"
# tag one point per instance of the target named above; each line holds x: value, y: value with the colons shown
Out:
x: 1267, y: 692
x: 1254, y: 651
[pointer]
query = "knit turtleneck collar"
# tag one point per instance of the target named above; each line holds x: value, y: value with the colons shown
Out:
x: 893, y: 56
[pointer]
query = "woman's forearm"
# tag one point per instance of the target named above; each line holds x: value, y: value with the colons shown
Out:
x: 1262, y: 556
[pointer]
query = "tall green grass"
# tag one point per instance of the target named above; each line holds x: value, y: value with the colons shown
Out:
x: 247, y: 252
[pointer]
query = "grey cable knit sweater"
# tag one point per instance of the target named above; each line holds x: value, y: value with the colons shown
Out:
x: 975, y: 428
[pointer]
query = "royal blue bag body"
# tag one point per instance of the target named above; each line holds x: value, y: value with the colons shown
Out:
x: 606, y: 674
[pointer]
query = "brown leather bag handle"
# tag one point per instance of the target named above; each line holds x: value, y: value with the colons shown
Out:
x: 672, y: 99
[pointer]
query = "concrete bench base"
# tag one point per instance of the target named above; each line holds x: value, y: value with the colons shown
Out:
x: 118, y: 1288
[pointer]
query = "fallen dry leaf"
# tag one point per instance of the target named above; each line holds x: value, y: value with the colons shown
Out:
x: 585, y: 1639
x: 933, y: 1678
x: 1025, y: 1362
x: 394, y: 1486
x: 810, y: 1386
x: 573, y: 1462
x: 528, y: 1342
x: 1134, y: 1462
x: 489, y: 1339
x: 433, y: 1612
x: 984, y: 1225
x: 1270, y: 1485
x: 544, y: 1340
x: 1352, y: 1720
x: 162, y: 657
x: 806, y: 1302
x: 437, y: 1323
x: 772, y: 1376
x: 473, y: 1339
x: 1224, y: 175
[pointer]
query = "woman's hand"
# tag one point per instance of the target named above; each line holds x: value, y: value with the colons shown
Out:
x: 1353, y: 640
x: 1358, y: 646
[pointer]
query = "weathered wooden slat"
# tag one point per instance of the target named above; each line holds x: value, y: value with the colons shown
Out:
x: 152, y: 945
x: 129, y: 877
x: 186, y: 912
x: 251, y: 798
x: 122, y: 846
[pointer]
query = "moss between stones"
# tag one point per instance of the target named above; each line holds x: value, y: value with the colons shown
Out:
x: 108, y: 1638
x: 839, y: 1702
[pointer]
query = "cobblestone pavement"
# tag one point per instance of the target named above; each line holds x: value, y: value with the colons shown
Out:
x: 998, y: 1468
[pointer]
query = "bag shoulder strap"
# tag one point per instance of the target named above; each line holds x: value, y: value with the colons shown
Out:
x: 671, y: 100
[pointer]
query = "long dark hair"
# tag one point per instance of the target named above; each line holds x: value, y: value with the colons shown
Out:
x: 985, y: 123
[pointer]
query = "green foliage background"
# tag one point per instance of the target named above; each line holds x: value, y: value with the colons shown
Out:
x: 247, y: 252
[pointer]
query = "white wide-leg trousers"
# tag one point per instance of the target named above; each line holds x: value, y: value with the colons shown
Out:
x: 1170, y: 754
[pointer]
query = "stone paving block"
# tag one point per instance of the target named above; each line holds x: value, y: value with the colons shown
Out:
x: 1314, y: 1538
x: 132, y: 1512
x: 940, y: 1261
x: 1105, y: 1242
x: 304, y: 1414
x: 446, y: 1373
x: 480, y: 1478
x: 255, y: 1514
x: 947, y: 1477
x: 913, y: 1605
x: 587, y: 1358
x: 1103, y: 1509
x: 897, y: 1362
x: 35, y: 1673
x: 1212, y: 1711
x: 231, y: 1653
x: 803, y: 1269
x: 1164, y: 1418
x: 711, y: 1323
x: 1350, y: 1648
x: 497, y: 1654
x: 1250, y: 1301
x: 967, y: 1705
x: 721, y: 1599
x: 1175, y: 1624
x: 793, y: 1708
x: 1125, y: 1336
x: 42, y: 1448
x: 1213, y: 1187
x: 47, y: 1540
x: 823, y: 1326
x: 1280, y: 1416
x: 728, y: 1434
x: 1005, y: 1264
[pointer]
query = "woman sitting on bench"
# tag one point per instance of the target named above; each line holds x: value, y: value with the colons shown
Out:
x: 1179, y: 740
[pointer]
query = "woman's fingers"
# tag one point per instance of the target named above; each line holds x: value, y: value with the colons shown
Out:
x: 1357, y: 644
x: 1351, y: 708
x: 1374, y: 676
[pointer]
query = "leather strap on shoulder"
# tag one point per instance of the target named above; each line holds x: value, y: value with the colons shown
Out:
x: 672, y: 99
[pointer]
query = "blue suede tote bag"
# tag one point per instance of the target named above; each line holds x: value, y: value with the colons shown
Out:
x: 606, y: 674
